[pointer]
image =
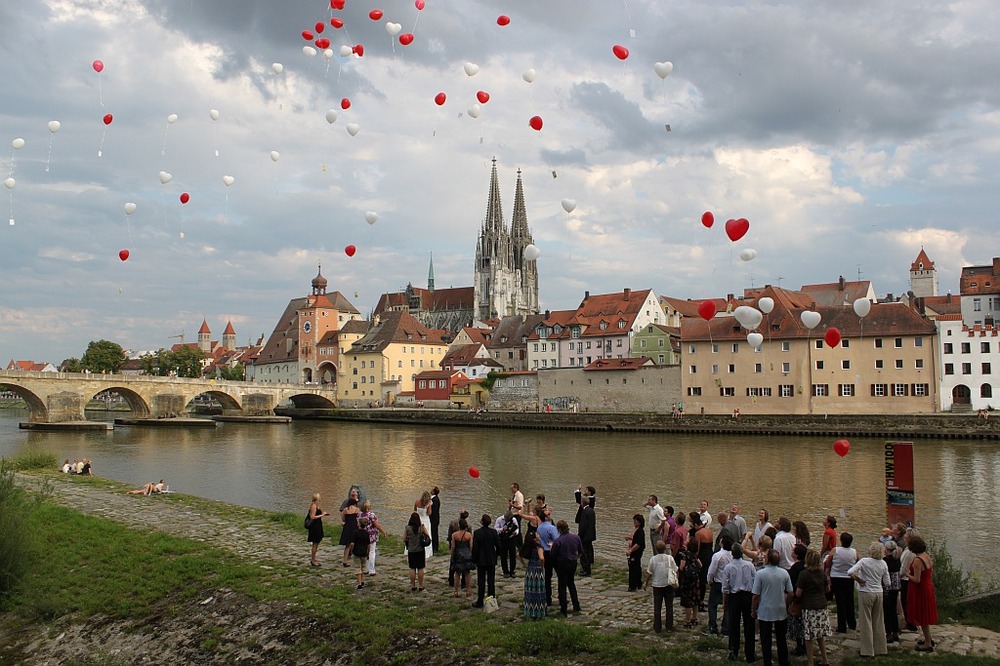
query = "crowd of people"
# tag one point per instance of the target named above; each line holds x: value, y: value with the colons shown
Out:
x: 766, y: 582
x: 78, y: 467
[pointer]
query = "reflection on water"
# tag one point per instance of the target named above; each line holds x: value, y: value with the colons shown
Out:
x: 279, y: 466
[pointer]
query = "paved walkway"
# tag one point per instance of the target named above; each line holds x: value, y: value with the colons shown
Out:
x: 605, y: 604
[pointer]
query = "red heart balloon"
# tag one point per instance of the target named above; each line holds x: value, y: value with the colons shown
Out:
x: 842, y: 447
x: 737, y: 229
x: 503, y: 19
x: 483, y: 96
x: 337, y: 23
x: 708, y: 219
x: 108, y: 118
x: 123, y: 254
x: 345, y: 104
x: 707, y: 310
x: 474, y: 472
x: 185, y: 197
x: 350, y: 250
x: 323, y: 43
x: 375, y: 14
x: 308, y: 36
x: 406, y: 38
x: 536, y: 123
x: 98, y: 66
x: 440, y: 99
x: 320, y: 26
x: 620, y: 51
x: 336, y: 4
x: 832, y: 337
x: 359, y: 49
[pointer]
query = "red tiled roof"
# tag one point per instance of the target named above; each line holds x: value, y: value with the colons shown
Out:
x: 922, y: 258
x: 835, y: 293
x: 229, y: 329
x: 204, y: 327
x: 619, y: 363
x: 396, y: 327
x: 689, y: 307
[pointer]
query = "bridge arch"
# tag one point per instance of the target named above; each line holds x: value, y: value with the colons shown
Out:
x: 138, y: 404
x: 228, y: 402
x: 326, y: 373
x: 311, y: 401
x: 36, y: 406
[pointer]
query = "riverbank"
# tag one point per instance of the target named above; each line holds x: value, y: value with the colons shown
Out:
x: 126, y: 579
x: 889, y: 426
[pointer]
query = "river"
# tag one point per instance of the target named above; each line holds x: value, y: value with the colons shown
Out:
x: 278, y: 467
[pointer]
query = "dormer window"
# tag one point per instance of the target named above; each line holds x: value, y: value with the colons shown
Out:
x: 575, y: 332
x: 557, y: 329
x: 621, y: 323
x: 604, y: 325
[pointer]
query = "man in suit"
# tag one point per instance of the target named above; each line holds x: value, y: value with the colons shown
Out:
x: 435, y: 517
x: 587, y: 530
x: 566, y: 551
x: 485, y: 544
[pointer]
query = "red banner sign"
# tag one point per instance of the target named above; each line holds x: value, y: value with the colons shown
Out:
x: 899, y: 490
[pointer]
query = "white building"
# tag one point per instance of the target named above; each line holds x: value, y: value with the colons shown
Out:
x: 968, y: 355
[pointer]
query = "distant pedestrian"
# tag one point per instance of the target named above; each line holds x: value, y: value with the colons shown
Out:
x: 349, y: 525
x: 689, y: 575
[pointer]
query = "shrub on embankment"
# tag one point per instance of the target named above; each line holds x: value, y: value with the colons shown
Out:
x: 16, y: 506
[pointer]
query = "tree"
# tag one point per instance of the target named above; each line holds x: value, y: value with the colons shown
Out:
x: 187, y: 361
x: 236, y: 373
x: 156, y: 364
x: 103, y: 356
x: 71, y: 365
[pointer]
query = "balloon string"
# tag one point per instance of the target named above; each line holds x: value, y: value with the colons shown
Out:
x: 48, y: 160
x: 100, y: 149
x: 128, y: 225
x: 11, y: 218
x: 100, y: 89
x: 163, y: 150
x: 628, y: 14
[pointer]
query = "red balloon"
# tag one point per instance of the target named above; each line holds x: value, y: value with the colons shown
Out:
x: 359, y: 49
x: 536, y: 123
x: 708, y: 219
x: 503, y: 19
x: 108, y: 118
x: 707, y: 310
x: 336, y: 4
x: 345, y: 104
x: 337, y: 23
x: 832, y: 337
x: 440, y: 99
x: 406, y: 38
x: 350, y: 250
x: 419, y: 4
x: 474, y: 472
x: 842, y: 447
x: 323, y: 43
x: 320, y: 26
x: 98, y: 66
x: 483, y: 96
x: 123, y: 255
x: 307, y: 35
x: 375, y: 14
x: 737, y: 229
x: 620, y: 51
x: 185, y: 197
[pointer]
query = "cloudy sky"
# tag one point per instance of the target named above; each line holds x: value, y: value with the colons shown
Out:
x: 848, y: 134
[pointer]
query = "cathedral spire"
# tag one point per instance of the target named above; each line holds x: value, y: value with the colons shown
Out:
x: 519, y: 223
x: 494, y: 213
x: 430, y: 274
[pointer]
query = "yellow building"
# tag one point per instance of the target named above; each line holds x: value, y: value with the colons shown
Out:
x: 886, y: 362
x: 384, y: 363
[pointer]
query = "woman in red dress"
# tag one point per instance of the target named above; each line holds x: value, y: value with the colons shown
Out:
x: 921, y: 603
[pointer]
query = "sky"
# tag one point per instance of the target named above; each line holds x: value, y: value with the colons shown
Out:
x: 849, y: 135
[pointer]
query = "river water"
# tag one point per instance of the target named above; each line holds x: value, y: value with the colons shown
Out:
x: 278, y: 467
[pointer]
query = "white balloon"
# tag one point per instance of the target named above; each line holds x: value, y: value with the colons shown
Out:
x: 172, y: 118
x: 17, y: 143
x: 475, y: 110
x: 755, y: 340
x: 393, y: 28
x: 471, y: 68
x: 309, y: 51
x: 331, y: 116
x: 213, y: 114
x: 345, y: 51
x: 862, y: 307
x: 569, y: 205
x: 810, y: 319
x: 766, y: 304
x: 277, y: 68
x: 10, y: 183
x: 228, y: 180
x: 748, y: 254
x: 353, y: 129
x: 531, y: 252
x: 182, y: 235
x: 54, y: 126
x: 748, y: 317
x: 129, y: 208
x: 663, y: 69
x: 529, y: 76
x: 371, y: 217
x: 328, y: 54
x: 275, y: 155
x: 165, y: 177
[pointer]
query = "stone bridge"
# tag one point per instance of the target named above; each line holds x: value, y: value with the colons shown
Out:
x: 57, y: 397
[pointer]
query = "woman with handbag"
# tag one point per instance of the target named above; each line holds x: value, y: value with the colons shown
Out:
x: 314, y: 523
x: 417, y: 539
x: 810, y: 593
x: 661, y: 572
x: 461, y: 556
x: 533, y: 557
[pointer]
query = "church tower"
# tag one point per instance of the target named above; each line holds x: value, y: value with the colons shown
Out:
x: 505, y: 283
x: 229, y: 337
x: 923, y: 276
x: 205, y: 337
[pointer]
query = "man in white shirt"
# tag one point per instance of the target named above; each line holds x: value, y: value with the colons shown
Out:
x: 737, y: 600
x: 706, y: 517
x: 784, y: 543
x: 720, y: 559
x: 655, y: 520
x: 741, y: 524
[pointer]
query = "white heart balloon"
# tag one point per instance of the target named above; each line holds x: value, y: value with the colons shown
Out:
x: 393, y: 28
x: 328, y: 54
x: 54, y: 126
x: 129, y: 208
x: 810, y: 319
x: 10, y: 183
x: 371, y: 217
x: 228, y: 180
x: 331, y: 116
x: 531, y: 252
x: 748, y: 254
x: 471, y: 68
x: 172, y: 118
x: 663, y: 69
x: 277, y: 67
x: 748, y: 317
x: 353, y: 129
x: 529, y: 76
x: 766, y: 304
x: 165, y: 177
x: 17, y: 143
x: 182, y: 235
x: 275, y: 155
x: 569, y: 205
x: 755, y: 340
x: 474, y: 111
x: 309, y: 51
x: 345, y: 51
x: 213, y: 114
x: 862, y: 307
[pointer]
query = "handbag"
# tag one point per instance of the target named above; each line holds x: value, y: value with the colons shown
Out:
x: 672, y: 579
x: 491, y: 605
x: 308, y: 522
x: 795, y: 608
x: 425, y: 540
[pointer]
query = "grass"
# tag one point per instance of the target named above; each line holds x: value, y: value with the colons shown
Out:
x: 34, y: 460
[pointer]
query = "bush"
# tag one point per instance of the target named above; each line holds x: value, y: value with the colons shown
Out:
x: 951, y: 581
x: 15, y: 508
x: 34, y: 459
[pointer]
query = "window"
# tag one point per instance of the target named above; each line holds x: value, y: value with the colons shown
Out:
x: 966, y: 368
x: 715, y: 348
x: 846, y: 344
x: 977, y: 305
x: 758, y: 367
x: 879, y: 390
x: 752, y: 392
x: 966, y: 347
x: 371, y: 379
x: 399, y: 364
x: 900, y: 390
x: 897, y: 343
x: 878, y: 343
x: 736, y: 348
x: 642, y: 344
x: 588, y: 347
x: 499, y: 383
x: 354, y: 371
x: 818, y: 343
x: 820, y: 389
x: 621, y: 323
x: 920, y: 390
x: 575, y: 332
x: 786, y: 391
x: 984, y: 347
x: 786, y: 368
x: 603, y: 326
x: 732, y: 368
x: 820, y: 364
x: 715, y: 368
x: 661, y: 343
x: 845, y: 390
x: 692, y: 369
x: 727, y: 392
x: 986, y: 368
x: 918, y: 341
x: 660, y: 360
x: 899, y: 364
x: 363, y: 378
x: 919, y: 364
x: 694, y: 390
x: 948, y: 349
x: 691, y: 349
x: 845, y: 364
x: 619, y: 342
x: 524, y: 383
x: 985, y: 391
x: 949, y: 368
x: 765, y: 391
x: 785, y: 346
x: 422, y: 384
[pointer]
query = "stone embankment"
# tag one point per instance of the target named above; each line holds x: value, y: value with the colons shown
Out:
x: 606, y: 603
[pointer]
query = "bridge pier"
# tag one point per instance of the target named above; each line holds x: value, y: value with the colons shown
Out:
x: 62, y: 407
x: 167, y: 406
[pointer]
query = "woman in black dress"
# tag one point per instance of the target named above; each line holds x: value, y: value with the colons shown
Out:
x: 349, y: 520
x: 315, y: 528
x: 636, y: 547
